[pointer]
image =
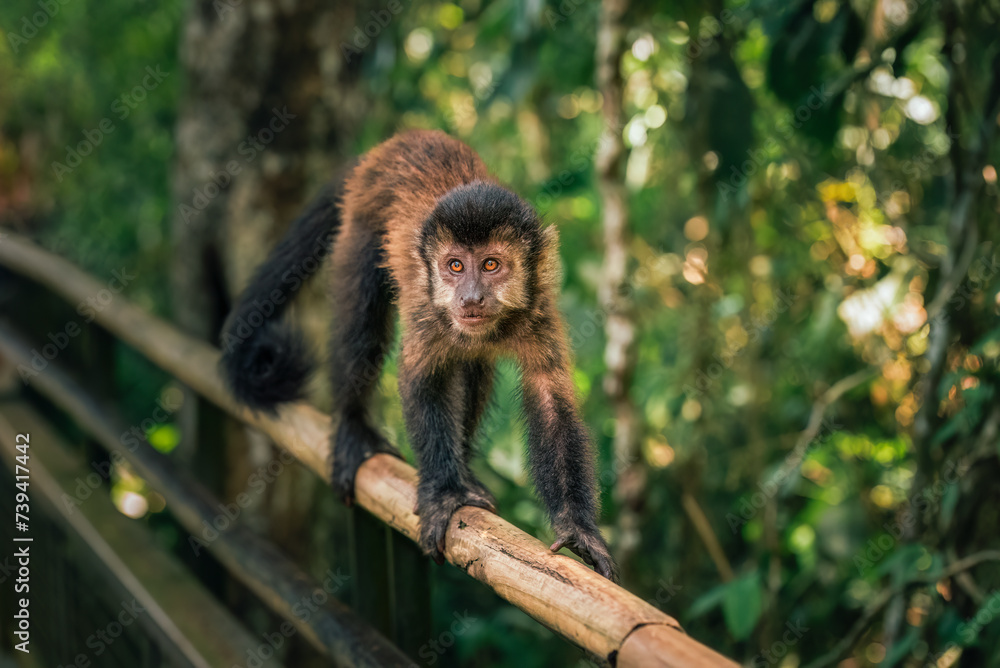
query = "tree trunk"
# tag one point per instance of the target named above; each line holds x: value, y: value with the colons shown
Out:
x: 267, y: 117
x: 619, y: 353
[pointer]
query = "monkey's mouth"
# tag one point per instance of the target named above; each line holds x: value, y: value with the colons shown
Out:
x: 474, y: 319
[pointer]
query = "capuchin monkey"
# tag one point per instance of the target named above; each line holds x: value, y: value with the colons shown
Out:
x: 421, y: 226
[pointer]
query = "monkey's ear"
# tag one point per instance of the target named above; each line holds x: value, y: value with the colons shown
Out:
x: 549, y: 264
x: 550, y: 236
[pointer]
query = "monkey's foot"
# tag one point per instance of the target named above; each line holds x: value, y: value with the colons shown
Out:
x: 435, y: 515
x: 590, y: 547
x: 353, y: 446
x: 477, y: 495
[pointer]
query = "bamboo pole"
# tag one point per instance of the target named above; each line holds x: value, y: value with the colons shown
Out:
x: 556, y: 590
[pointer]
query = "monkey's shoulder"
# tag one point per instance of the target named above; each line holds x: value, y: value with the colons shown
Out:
x: 429, y: 159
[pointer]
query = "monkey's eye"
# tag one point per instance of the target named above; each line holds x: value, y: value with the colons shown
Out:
x: 456, y: 266
x: 491, y: 265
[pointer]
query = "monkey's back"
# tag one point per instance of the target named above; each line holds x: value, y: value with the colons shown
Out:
x: 397, y: 183
x: 395, y: 187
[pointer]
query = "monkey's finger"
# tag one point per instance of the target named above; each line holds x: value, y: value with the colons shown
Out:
x: 482, y: 503
x: 558, y: 545
x: 606, y: 567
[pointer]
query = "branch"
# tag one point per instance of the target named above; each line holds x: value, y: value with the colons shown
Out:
x: 842, y: 648
x: 832, y: 394
x: 865, y: 65
x: 708, y: 537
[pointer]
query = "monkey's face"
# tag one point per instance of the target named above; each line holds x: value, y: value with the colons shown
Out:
x: 478, y: 285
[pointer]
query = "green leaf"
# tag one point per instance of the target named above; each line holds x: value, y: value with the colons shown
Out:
x: 741, y: 605
x: 901, y: 649
x: 897, y: 554
x: 948, y: 504
x: 707, y: 601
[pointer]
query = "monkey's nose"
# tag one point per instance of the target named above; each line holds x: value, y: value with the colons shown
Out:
x: 473, y: 300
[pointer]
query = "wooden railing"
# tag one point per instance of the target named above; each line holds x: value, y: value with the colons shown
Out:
x: 88, y: 545
x: 556, y: 590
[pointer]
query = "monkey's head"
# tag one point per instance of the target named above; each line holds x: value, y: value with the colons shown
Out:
x: 486, y: 254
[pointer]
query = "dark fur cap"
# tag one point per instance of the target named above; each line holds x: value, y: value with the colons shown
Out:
x: 477, y: 212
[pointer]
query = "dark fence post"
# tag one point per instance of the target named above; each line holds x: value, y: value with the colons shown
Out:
x: 369, y: 554
x: 409, y: 594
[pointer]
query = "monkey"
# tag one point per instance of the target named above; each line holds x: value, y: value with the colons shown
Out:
x: 419, y: 230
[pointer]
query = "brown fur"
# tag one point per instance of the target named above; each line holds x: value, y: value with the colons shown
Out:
x: 412, y: 207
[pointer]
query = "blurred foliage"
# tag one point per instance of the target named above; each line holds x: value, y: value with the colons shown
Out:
x: 792, y: 195
x: 86, y: 139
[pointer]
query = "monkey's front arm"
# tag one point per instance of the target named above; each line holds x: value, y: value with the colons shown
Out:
x: 562, y: 463
x: 441, y: 413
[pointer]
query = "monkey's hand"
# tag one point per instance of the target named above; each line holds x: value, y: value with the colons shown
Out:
x: 435, y: 514
x: 589, y: 545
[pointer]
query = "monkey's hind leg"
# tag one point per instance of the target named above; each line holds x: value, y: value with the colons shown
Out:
x: 434, y: 407
x: 361, y: 335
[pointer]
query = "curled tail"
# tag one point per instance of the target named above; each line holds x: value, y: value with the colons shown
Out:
x: 265, y: 363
